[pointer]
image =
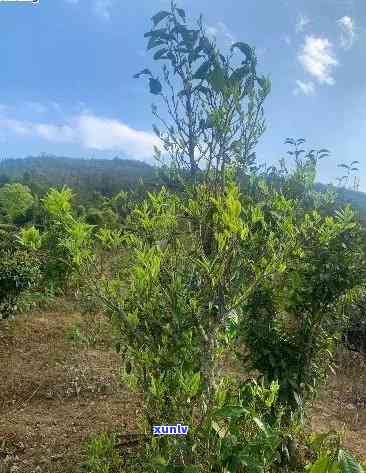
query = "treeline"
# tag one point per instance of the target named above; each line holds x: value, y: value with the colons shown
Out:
x: 85, y: 176
x: 92, y: 178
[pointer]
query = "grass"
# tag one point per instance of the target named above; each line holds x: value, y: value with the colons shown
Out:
x: 101, y: 454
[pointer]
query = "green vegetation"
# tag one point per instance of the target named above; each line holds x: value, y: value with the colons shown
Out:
x: 101, y: 454
x: 214, y: 259
x: 19, y: 271
x: 15, y: 200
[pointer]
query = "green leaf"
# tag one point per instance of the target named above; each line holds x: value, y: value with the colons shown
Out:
x: 202, y: 89
x: 201, y: 72
x: 181, y: 13
x: 248, y: 87
x: 318, y: 439
x: 160, y: 16
x: 334, y: 468
x: 159, y: 460
x: 160, y: 53
x: 231, y: 411
x: 194, y: 384
x: 156, y: 131
x: 260, y: 424
x: 221, y: 431
x: 195, y: 35
x: 321, y: 465
x: 244, y: 48
x: 261, y: 81
x: 156, y: 33
x: 205, y: 45
x: 348, y: 463
x: 180, y: 468
x: 153, y: 42
x: 155, y: 86
x: 239, y: 74
x: 143, y: 72
x: 217, y: 79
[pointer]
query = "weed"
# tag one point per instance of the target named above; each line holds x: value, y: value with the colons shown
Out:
x: 101, y: 454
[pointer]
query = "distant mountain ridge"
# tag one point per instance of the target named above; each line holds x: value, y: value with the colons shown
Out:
x: 108, y: 176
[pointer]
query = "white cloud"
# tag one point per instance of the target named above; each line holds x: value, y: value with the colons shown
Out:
x: 318, y: 59
x: 226, y: 32
x: 301, y: 23
x: 306, y: 88
x: 89, y: 131
x: 104, y: 133
x: 102, y: 8
x: 211, y: 31
x: 54, y: 133
x: 348, y: 34
x: 221, y: 30
x: 16, y: 126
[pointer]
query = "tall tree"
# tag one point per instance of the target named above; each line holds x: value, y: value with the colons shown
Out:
x: 214, y: 102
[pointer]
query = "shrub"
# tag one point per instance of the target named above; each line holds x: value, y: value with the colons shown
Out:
x: 330, y: 457
x: 15, y: 200
x: 64, y: 245
x: 19, y: 271
x: 212, y: 268
x: 292, y: 324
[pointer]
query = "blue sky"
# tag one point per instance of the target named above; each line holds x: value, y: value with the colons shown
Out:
x: 67, y: 67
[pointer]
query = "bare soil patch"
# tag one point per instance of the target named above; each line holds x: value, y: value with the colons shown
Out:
x: 342, y: 404
x: 54, y: 395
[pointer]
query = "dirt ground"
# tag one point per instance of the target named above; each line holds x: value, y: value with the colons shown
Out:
x: 342, y: 404
x: 54, y: 395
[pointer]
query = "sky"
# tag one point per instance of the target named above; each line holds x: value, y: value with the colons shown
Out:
x: 67, y: 85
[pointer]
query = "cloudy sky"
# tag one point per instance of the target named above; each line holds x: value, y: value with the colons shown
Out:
x: 67, y: 67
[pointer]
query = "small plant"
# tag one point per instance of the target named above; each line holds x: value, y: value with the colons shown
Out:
x: 330, y: 457
x: 101, y: 454
x: 93, y: 331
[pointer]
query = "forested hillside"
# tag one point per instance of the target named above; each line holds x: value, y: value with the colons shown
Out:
x: 110, y: 176
x: 84, y: 175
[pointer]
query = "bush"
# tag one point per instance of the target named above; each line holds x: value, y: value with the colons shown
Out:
x: 355, y: 326
x: 15, y: 200
x: 19, y: 271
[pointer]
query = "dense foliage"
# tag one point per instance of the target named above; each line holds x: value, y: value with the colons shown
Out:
x: 86, y: 176
x: 19, y: 271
